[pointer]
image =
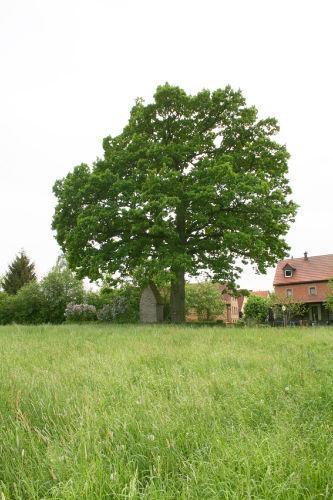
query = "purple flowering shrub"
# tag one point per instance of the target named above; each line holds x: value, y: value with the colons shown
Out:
x: 80, y: 312
x: 114, y: 310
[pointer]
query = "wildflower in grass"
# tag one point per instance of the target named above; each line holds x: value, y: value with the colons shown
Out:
x: 150, y: 437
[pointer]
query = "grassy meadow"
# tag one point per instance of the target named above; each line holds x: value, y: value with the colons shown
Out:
x: 94, y: 412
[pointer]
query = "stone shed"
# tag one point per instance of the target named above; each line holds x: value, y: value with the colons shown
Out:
x: 151, y: 305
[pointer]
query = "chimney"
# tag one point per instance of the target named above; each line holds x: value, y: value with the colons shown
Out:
x: 306, y: 256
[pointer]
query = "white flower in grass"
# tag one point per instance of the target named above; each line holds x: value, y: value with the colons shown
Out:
x: 151, y: 437
x: 113, y: 473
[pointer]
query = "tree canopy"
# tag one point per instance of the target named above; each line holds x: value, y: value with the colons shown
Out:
x: 257, y: 308
x: 287, y: 308
x: 20, y: 272
x: 191, y: 185
x: 205, y: 299
x: 61, y: 287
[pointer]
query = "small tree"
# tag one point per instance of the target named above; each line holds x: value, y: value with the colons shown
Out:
x: 60, y: 288
x: 286, y: 308
x: 29, y: 305
x: 329, y: 297
x: 256, y: 308
x: 21, y: 271
x: 206, y: 299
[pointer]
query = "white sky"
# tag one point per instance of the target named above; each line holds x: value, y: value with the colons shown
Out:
x: 71, y: 69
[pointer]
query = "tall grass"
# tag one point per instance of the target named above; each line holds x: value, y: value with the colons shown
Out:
x: 164, y: 412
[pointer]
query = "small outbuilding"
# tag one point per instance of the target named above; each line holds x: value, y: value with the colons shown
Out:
x: 151, y: 305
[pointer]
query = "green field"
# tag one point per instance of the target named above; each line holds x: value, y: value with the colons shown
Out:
x: 164, y: 412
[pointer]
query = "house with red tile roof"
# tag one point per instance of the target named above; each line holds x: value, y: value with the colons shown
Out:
x: 305, y: 280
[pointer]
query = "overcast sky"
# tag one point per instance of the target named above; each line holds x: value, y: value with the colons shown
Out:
x: 71, y: 69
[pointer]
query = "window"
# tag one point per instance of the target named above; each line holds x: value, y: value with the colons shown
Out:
x: 312, y: 290
x: 289, y: 292
x: 288, y: 273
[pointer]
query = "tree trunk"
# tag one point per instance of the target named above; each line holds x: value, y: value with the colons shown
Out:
x: 177, y: 297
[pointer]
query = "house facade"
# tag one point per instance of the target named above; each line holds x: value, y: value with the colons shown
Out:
x: 305, y: 280
x: 231, y: 313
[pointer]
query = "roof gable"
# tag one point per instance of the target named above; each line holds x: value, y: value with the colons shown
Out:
x: 307, y: 270
x: 289, y: 266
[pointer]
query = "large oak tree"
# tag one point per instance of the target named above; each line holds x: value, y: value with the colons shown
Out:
x: 192, y: 184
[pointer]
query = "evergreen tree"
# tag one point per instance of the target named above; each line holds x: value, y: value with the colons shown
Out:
x: 20, y: 272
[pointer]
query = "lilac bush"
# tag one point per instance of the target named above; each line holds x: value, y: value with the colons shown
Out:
x: 110, y: 312
x: 80, y: 312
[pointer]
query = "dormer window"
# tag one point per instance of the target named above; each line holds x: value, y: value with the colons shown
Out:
x: 288, y: 270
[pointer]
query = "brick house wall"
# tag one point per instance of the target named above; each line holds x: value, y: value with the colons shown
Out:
x: 301, y: 291
x: 231, y: 312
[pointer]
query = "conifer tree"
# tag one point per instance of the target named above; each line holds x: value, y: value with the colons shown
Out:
x: 20, y: 272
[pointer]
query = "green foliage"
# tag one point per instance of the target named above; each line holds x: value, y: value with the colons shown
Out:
x: 256, y: 308
x: 112, y: 312
x: 286, y: 308
x: 44, y: 302
x: 60, y: 287
x: 7, y: 308
x: 127, y: 297
x: 329, y: 297
x: 60, y: 295
x: 30, y: 305
x: 95, y: 298
x: 205, y: 299
x: 191, y: 184
x: 21, y: 271
x: 97, y: 412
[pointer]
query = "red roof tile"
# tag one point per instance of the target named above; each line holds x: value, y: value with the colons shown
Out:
x: 312, y: 269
